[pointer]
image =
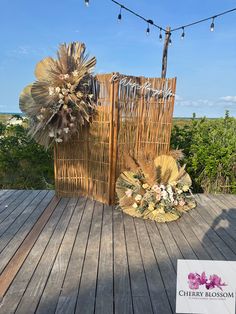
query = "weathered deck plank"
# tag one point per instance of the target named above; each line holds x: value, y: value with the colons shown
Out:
x: 15, y: 241
x: 20, y: 283
x: 70, y: 287
x: 92, y: 258
x: 104, y: 294
x: 48, y: 302
x: 159, y: 299
x: 87, y: 291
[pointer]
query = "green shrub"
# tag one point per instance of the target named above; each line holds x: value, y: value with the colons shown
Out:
x: 209, y: 147
x: 23, y: 163
x: 210, y: 153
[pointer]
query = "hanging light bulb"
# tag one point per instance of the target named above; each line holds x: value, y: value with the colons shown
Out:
x: 160, y: 36
x: 170, y: 41
x: 148, y: 30
x: 213, y: 24
x: 120, y: 15
x: 86, y: 2
x: 183, y: 33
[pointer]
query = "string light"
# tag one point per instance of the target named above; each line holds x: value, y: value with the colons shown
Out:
x: 213, y: 24
x: 183, y: 33
x: 183, y: 27
x: 120, y: 15
x: 177, y: 28
x: 160, y: 36
x: 148, y: 30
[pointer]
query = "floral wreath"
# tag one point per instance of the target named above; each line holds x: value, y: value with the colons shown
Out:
x: 62, y: 100
x: 158, y: 190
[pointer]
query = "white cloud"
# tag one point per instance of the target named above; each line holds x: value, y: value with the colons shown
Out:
x: 194, y: 103
x: 229, y: 99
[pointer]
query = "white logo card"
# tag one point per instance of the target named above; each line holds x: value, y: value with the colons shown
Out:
x: 206, y: 287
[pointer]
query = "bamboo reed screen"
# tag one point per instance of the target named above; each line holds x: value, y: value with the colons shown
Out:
x: 128, y: 119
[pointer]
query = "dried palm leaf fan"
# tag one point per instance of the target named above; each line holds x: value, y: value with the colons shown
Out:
x: 158, y: 190
x: 62, y: 100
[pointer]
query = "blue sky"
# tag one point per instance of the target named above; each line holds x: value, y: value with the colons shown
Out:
x: 204, y: 62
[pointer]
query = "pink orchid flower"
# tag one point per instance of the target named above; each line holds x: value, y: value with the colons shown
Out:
x: 215, y: 281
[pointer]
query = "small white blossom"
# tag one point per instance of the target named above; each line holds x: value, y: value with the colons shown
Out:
x: 66, y: 76
x: 185, y: 188
x: 58, y: 140
x: 75, y: 73
x: 40, y: 117
x: 135, y: 205
x: 65, y: 91
x: 57, y: 89
x: 164, y: 194
x: 51, y: 134
x: 51, y: 91
x: 138, y: 197
x: 66, y: 130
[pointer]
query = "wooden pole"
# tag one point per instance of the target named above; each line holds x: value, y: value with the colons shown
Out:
x: 165, y: 53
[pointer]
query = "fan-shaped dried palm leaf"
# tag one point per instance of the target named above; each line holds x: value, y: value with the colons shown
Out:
x: 62, y: 99
x: 43, y: 69
x: 125, y: 180
x: 167, y: 169
x: 27, y: 103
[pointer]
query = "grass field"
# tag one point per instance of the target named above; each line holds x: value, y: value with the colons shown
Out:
x: 4, y: 117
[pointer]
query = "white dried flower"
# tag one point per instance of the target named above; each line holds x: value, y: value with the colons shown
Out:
x: 66, y: 130
x: 138, y: 197
x: 66, y: 76
x: 61, y: 101
x: 57, y: 89
x: 58, y: 140
x: 40, y: 117
x: 185, y: 188
x: 64, y: 91
x: 75, y: 73
x: 164, y: 195
x: 61, y: 96
x: 135, y: 205
x: 51, y: 91
x: 51, y: 134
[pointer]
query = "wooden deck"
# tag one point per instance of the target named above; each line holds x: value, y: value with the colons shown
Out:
x: 79, y: 256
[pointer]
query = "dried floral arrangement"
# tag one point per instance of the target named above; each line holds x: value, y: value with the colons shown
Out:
x: 158, y: 190
x: 62, y: 99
